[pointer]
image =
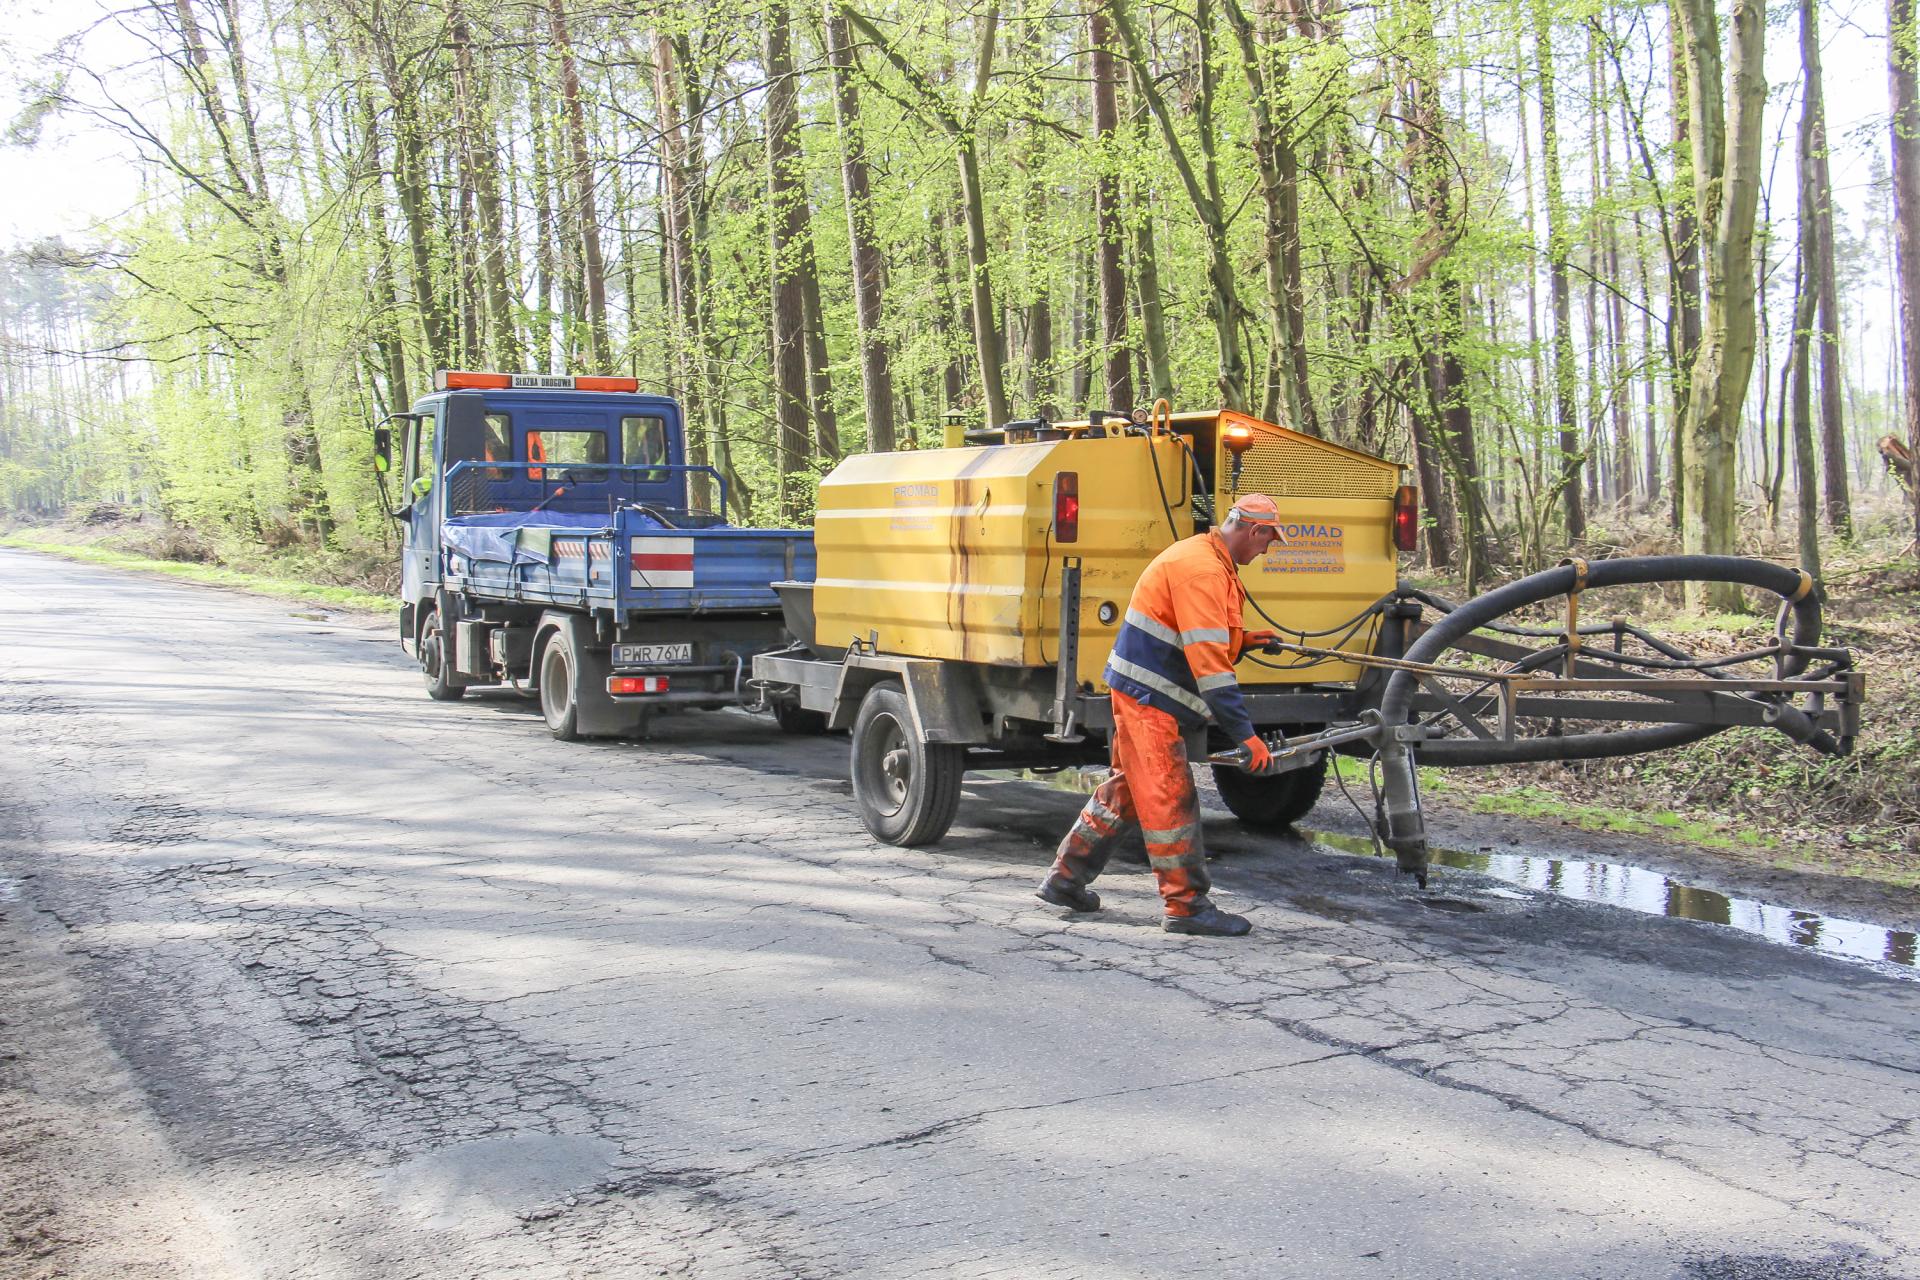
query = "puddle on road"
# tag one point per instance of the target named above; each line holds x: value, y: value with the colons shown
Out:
x: 1616, y: 884
x: 1653, y: 893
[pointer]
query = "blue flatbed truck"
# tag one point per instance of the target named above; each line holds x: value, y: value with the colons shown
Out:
x: 556, y: 541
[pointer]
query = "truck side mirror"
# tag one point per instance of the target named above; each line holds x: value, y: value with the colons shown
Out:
x: 382, y: 450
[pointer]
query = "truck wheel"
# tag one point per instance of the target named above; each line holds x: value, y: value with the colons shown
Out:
x: 907, y: 790
x: 797, y: 720
x: 436, y: 664
x: 559, y: 687
x: 1275, y: 803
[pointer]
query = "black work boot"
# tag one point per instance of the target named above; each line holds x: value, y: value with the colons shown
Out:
x: 1062, y: 892
x: 1208, y: 921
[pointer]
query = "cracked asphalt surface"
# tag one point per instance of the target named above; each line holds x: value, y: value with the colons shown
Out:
x: 305, y: 975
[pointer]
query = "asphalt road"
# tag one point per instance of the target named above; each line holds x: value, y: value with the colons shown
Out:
x: 305, y: 975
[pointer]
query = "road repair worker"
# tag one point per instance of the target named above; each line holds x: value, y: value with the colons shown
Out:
x: 1172, y: 666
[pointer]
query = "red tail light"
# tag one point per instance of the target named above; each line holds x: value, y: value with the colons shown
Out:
x: 1406, y: 518
x: 636, y: 684
x: 1066, y: 506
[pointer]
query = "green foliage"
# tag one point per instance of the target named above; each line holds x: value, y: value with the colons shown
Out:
x: 315, y: 236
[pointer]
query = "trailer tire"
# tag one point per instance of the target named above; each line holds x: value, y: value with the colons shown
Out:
x: 435, y: 664
x: 559, y: 687
x: 907, y: 790
x: 1275, y: 803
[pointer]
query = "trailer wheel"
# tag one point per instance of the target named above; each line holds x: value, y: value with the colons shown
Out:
x: 435, y: 664
x: 1275, y: 803
x: 907, y: 790
x: 559, y: 687
x: 797, y: 720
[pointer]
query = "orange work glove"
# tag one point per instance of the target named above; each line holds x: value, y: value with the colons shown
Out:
x: 1259, y: 759
x: 1250, y: 641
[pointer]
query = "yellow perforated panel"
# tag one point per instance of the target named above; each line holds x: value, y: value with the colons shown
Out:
x: 1282, y: 464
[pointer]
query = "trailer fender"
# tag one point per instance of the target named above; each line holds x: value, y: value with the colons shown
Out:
x: 943, y: 698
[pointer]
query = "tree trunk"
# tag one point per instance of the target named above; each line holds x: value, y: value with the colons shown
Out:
x: 1085, y: 289
x: 545, y: 267
x: 946, y: 303
x: 1726, y: 164
x: 1536, y: 389
x: 1279, y: 187
x: 410, y: 185
x: 479, y: 167
x: 1650, y: 416
x: 1622, y: 396
x: 388, y: 334
x: 705, y: 446
x: 869, y: 267
x: 989, y: 345
x: 1833, y: 438
x: 1565, y: 407
x: 587, y: 216
x: 1443, y: 315
x: 1684, y: 267
x: 1903, y: 71
x: 1202, y: 185
x: 1108, y: 227
x: 1806, y: 482
x: 307, y: 496
x: 786, y: 220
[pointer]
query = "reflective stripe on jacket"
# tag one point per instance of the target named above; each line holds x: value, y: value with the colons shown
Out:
x: 1176, y: 649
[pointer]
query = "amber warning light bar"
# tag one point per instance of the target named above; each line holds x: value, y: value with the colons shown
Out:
x: 462, y: 380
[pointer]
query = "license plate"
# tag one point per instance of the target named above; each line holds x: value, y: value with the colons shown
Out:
x: 651, y: 655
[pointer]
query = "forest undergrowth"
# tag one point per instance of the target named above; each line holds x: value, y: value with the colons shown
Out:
x: 1748, y: 793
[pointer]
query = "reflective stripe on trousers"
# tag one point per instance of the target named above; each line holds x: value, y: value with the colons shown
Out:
x: 1151, y: 787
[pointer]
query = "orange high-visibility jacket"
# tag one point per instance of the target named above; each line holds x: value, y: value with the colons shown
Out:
x: 1182, y: 633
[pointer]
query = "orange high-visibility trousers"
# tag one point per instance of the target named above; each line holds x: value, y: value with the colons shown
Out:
x: 1152, y: 786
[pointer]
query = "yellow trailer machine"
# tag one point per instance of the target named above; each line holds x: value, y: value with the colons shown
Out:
x: 966, y: 598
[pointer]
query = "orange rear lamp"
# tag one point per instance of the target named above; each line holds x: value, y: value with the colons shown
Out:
x: 467, y: 380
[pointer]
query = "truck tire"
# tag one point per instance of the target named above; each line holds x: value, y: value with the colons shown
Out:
x: 435, y: 664
x: 907, y: 790
x: 560, y: 687
x: 1275, y: 803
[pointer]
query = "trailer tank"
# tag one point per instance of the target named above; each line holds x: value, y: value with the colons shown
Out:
x: 956, y: 554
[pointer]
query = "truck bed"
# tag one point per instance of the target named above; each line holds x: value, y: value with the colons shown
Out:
x: 637, y: 564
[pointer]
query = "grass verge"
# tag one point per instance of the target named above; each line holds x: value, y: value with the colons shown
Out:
x: 213, y: 575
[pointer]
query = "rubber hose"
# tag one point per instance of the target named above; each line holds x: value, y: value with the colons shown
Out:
x: 1396, y: 702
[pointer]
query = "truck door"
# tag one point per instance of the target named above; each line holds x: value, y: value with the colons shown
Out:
x: 455, y: 432
x: 418, y: 555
